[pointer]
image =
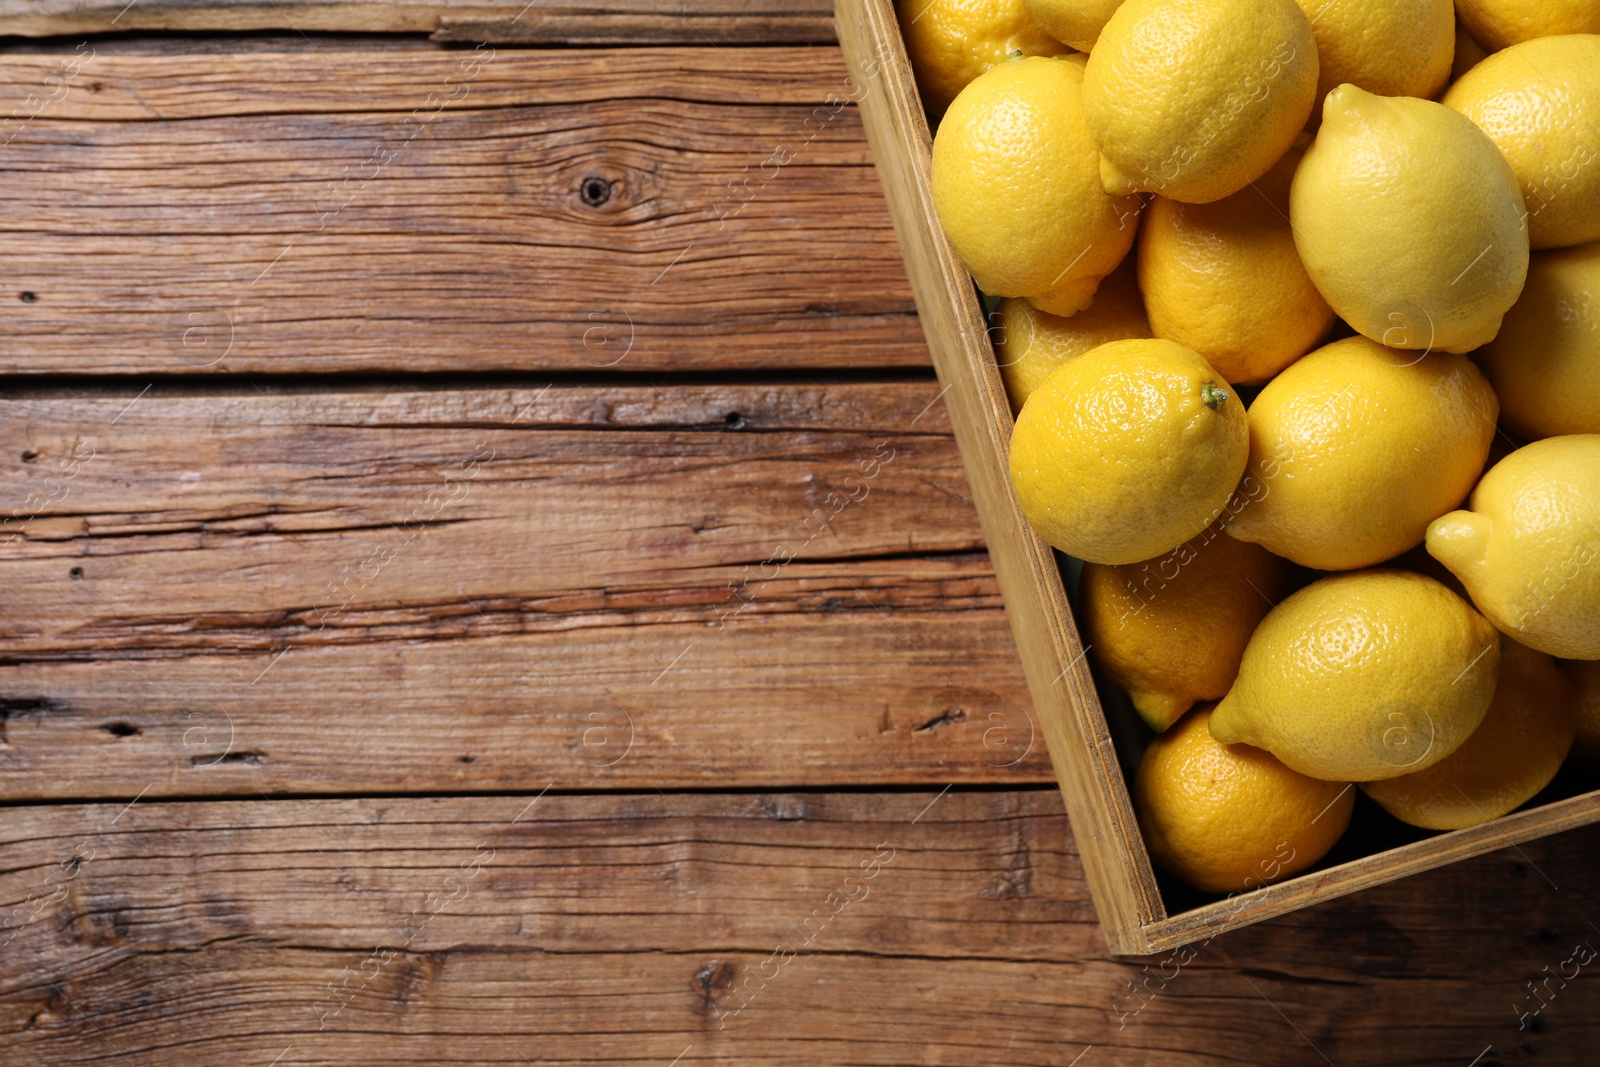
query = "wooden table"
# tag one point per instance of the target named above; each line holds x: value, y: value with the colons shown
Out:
x: 488, y: 579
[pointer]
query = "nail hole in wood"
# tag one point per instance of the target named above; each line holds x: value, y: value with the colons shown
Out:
x: 28, y: 297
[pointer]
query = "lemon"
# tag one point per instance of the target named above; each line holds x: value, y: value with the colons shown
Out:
x: 1355, y: 448
x: 1171, y: 630
x: 1075, y: 294
x: 1016, y: 185
x: 1031, y: 343
x: 1077, y: 22
x: 1498, y: 23
x: 951, y: 42
x: 1363, y: 676
x: 1585, y: 678
x: 1539, y: 102
x: 1195, y: 99
x: 1528, y: 551
x: 1409, y: 221
x: 1514, y: 752
x: 1228, y: 818
x: 1225, y: 280
x: 1127, y: 451
x: 1388, y: 47
x: 1468, y: 53
x: 1545, y: 362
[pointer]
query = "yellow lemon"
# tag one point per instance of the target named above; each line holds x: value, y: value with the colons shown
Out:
x: 1229, y: 818
x: 1528, y: 550
x: 1225, y: 279
x: 1016, y: 184
x: 1195, y: 99
x: 1498, y: 23
x: 1355, y: 448
x: 1545, y: 362
x: 1362, y: 676
x: 1127, y: 451
x: 1514, y: 752
x: 1171, y: 630
x: 1077, y: 22
x: 1075, y: 295
x: 1585, y: 678
x: 1388, y: 47
x: 951, y: 42
x: 1539, y: 102
x: 1409, y: 221
x: 1030, y: 343
x: 1468, y: 53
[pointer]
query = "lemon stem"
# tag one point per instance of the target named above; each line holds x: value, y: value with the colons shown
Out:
x: 1212, y: 395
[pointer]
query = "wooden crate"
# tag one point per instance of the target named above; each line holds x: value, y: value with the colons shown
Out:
x: 1116, y: 863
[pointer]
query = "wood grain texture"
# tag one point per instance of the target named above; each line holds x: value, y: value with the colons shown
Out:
x: 317, y: 591
x: 347, y: 210
x: 783, y: 929
x: 541, y: 21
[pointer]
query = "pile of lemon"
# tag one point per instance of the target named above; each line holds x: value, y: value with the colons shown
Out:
x: 1382, y: 216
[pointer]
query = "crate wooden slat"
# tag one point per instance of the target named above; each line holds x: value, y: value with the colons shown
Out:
x: 1116, y: 862
x: 1063, y: 692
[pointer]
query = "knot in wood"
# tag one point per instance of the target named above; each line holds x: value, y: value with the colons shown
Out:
x: 594, y: 191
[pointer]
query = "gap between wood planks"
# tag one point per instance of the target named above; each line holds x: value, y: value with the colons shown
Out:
x: 887, y: 789
x: 535, y: 22
x: 63, y: 386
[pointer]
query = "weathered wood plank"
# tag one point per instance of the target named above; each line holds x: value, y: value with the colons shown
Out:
x: 311, y: 211
x: 615, y: 22
x: 209, y: 592
x: 783, y: 929
x: 129, y: 81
